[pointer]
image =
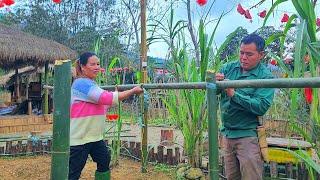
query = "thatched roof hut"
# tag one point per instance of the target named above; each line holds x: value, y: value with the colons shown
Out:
x: 19, y: 49
x: 9, y: 78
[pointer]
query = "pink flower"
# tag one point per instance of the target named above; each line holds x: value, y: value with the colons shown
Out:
x: 247, y: 14
x: 318, y: 22
x: 240, y: 10
x: 263, y: 13
x: 285, y: 18
x: 102, y: 70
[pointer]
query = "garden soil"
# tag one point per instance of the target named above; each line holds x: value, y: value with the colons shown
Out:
x: 38, y: 168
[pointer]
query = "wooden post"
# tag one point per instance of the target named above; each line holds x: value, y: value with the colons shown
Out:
x: 143, y: 69
x: 61, y: 122
x: 170, y: 156
x: 289, y: 170
x: 273, y: 170
x: 27, y: 97
x: 177, y: 155
x: 46, y: 91
x: 160, y: 154
x: 17, y: 86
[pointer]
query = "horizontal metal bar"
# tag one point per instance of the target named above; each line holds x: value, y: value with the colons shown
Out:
x: 195, y: 85
x: 256, y: 83
x: 271, y: 83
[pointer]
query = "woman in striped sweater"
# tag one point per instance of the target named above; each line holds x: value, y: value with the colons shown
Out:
x: 89, y: 104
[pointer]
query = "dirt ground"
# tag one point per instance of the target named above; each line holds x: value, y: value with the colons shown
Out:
x: 38, y: 167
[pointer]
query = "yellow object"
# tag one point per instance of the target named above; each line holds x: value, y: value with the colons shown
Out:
x: 263, y: 143
x: 60, y: 62
x: 283, y: 156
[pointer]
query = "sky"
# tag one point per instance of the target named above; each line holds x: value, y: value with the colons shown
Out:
x: 230, y: 22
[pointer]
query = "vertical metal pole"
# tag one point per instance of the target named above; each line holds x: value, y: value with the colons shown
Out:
x: 46, y: 91
x: 143, y: 68
x: 61, y: 120
x: 213, y: 127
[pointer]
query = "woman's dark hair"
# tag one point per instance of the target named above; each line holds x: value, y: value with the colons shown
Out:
x: 256, y: 39
x: 83, y: 60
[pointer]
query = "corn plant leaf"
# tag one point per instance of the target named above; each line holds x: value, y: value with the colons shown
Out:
x: 300, y: 50
x: 272, y: 9
x: 274, y: 37
x: 306, y: 11
x: 288, y: 26
x: 313, y: 48
x: 305, y: 157
x: 281, y: 64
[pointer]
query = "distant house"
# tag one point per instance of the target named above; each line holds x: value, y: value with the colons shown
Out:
x: 158, y: 65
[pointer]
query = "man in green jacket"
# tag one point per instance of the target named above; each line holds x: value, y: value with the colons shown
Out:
x: 240, y: 109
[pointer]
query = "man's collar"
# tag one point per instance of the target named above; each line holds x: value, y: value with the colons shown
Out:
x: 254, y: 71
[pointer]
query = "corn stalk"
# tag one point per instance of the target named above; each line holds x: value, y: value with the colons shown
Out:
x: 306, y: 43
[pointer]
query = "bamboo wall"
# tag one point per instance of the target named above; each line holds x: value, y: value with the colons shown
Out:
x: 5, y: 97
x: 25, y: 123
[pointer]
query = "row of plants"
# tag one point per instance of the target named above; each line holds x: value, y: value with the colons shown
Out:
x: 306, y: 43
x: 188, y: 110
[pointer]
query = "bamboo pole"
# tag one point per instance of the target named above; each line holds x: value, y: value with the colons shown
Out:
x: 46, y: 101
x: 257, y: 83
x: 61, y: 121
x: 212, y: 127
x: 143, y: 68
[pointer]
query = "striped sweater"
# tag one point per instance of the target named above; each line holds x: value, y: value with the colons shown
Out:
x: 89, y: 104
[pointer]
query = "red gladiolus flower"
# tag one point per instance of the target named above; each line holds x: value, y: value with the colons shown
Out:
x: 202, y: 2
x: 112, y: 117
x: 1, y: 4
x: 285, y: 18
x: 240, y: 9
x: 247, y: 14
x: 57, y: 1
x: 308, y: 95
x: 8, y: 2
x: 273, y: 62
x: 262, y: 14
x: 318, y: 22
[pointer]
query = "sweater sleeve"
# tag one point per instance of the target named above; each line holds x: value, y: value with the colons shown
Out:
x: 89, y: 91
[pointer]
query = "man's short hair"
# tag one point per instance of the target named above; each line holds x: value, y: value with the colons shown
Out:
x: 256, y: 39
